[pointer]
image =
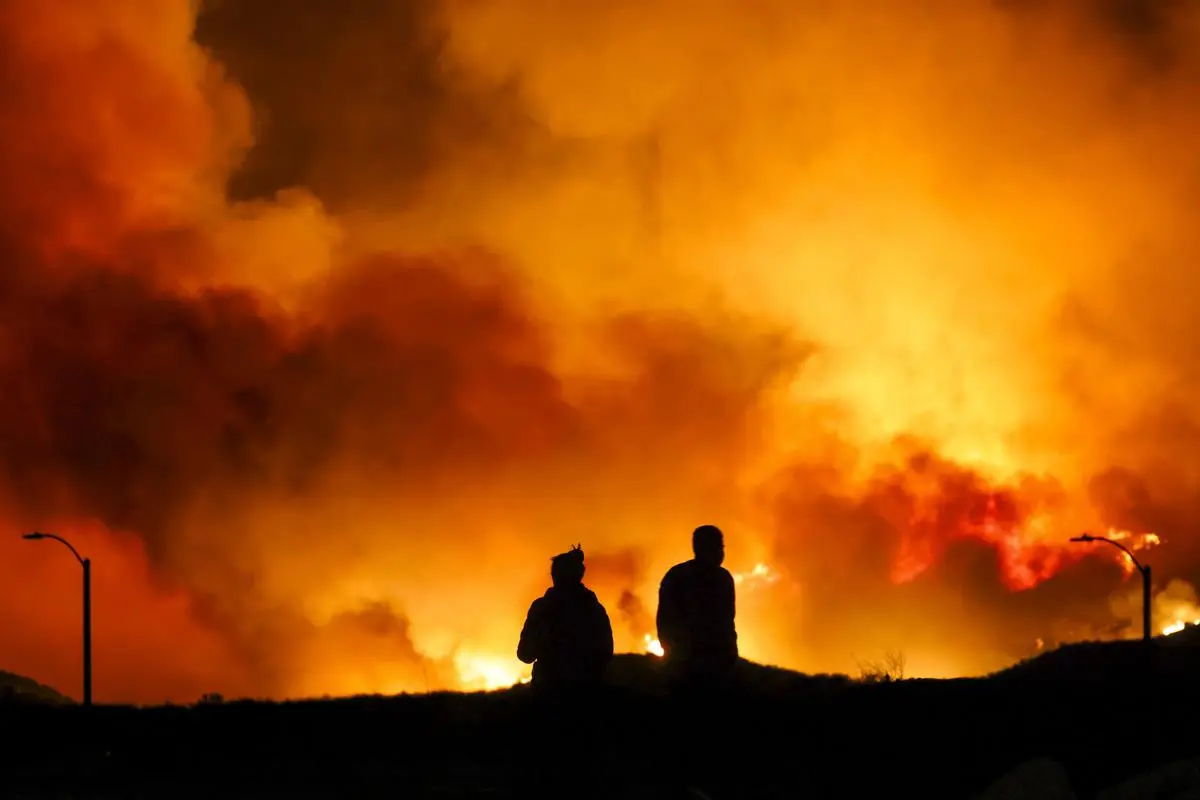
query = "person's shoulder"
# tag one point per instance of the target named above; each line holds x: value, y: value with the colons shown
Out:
x: 725, y: 575
x: 677, y: 571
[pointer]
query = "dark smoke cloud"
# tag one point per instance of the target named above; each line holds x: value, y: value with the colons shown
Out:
x: 347, y: 91
x: 177, y: 417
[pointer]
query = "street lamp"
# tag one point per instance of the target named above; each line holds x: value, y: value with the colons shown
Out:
x: 1147, y: 633
x: 87, y: 610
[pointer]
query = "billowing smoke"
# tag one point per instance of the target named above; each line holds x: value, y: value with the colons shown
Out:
x: 634, y: 613
x: 322, y: 329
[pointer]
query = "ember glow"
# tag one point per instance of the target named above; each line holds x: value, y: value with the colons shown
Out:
x: 1176, y: 607
x: 320, y: 346
x: 760, y: 575
x: 653, y: 646
x: 488, y: 673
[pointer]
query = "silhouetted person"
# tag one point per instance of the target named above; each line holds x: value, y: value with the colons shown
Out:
x: 567, y: 634
x: 696, y: 609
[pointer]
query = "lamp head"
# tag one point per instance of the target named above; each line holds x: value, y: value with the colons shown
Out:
x: 34, y: 536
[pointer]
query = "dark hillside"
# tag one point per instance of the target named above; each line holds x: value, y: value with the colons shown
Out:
x: 778, y: 734
x: 19, y: 689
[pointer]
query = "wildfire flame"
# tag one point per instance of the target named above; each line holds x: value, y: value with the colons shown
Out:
x: 652, y: 646
x: 760, y: 575
x: 489, y: 673
x: 1179, y: 605
x: 1179, y: 625
x: 1134, y: 541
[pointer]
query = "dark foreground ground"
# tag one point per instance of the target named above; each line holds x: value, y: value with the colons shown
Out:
x: 1106, y: 713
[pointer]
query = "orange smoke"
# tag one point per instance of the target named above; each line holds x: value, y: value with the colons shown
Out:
x: 139, y: 629
x: 320, y: 387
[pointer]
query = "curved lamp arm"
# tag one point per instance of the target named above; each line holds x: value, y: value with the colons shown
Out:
x: 37, y: 535
x: 1087, y: 537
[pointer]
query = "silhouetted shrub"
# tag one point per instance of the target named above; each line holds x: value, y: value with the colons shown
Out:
x: 885, y: 670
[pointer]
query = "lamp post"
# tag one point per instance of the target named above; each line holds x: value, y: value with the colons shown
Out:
x: 87, y: 610
x: 1144, y: 569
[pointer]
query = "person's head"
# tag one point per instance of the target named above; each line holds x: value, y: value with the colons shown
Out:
x: 566, y: 569
x: 708, y: 543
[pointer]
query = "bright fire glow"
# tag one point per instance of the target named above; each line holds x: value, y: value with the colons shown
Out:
x: 489, y: 673
x: 1179, y: 625
x: 1179, y: 605
x: 1134, y: 541
x: 760, y: 575
x: 653, y: 647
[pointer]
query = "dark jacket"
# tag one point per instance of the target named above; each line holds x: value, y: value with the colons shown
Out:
x: 567, y: 636
x: 696, y: 610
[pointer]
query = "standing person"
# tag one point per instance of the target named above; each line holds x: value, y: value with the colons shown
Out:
x: 567, y: 634
x: 696, y: 610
